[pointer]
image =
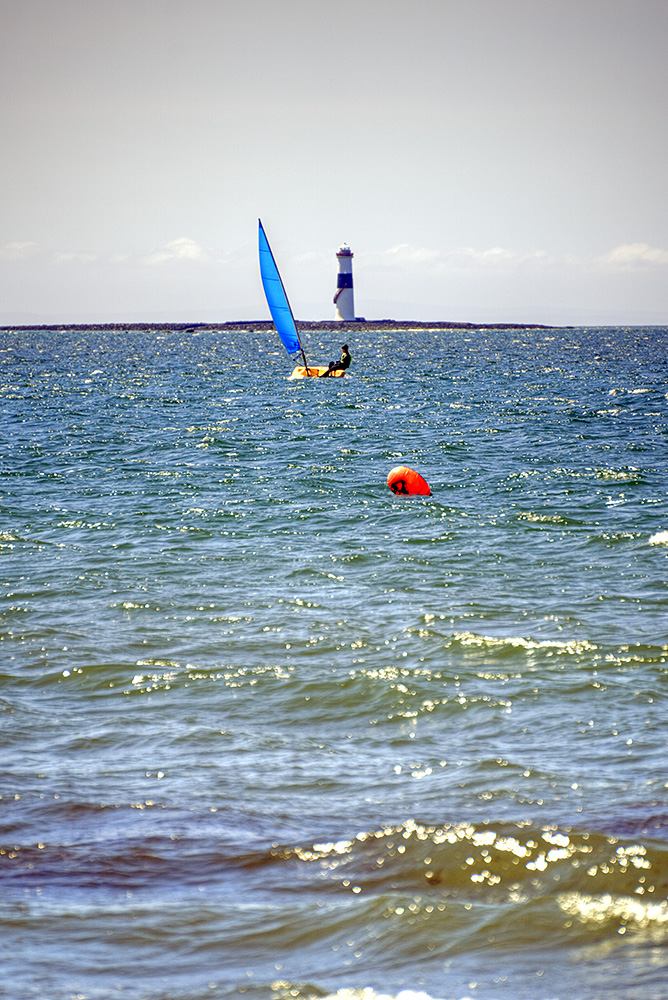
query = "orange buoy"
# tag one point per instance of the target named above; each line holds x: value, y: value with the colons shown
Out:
x: 404, y: 480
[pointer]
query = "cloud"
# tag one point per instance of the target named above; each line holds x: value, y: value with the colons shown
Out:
x: 426, y: 258
x: 404, y: 253
x: 177, y: 252
x: 17, y: 251
x: 503, y: 259
x: 495, y: 257
x: 73, y: 257
x: 181, y: 249
x: 636, y: 255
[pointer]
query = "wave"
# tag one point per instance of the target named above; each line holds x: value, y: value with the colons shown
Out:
x: 508, y: 862
x: 500, y: 863
x: 393, y: 912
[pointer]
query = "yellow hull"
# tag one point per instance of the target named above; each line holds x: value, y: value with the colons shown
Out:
x: 314, y: 371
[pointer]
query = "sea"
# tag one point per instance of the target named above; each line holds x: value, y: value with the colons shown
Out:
x: 269, y: 731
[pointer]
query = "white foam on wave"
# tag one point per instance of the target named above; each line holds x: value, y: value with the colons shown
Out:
x: 520, y: 642
x: 358, y: 993
x: 660, y: 538
x: 368, y: 993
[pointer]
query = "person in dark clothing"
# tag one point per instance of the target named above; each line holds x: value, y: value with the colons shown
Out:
x: 341, y: 365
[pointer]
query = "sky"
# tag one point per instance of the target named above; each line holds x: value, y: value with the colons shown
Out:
x: 486, y: 160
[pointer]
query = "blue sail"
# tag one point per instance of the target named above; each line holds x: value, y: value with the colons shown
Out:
x: 277, y: 300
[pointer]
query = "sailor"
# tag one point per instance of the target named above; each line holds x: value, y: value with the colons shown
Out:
x: 341, y: 365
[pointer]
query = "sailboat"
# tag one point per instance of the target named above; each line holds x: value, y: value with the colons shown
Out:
x: 280, y: 310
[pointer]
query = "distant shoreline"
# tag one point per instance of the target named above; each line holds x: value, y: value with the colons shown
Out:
x: 258, y: 325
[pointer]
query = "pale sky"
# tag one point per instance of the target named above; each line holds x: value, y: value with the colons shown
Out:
x: 486, y: 160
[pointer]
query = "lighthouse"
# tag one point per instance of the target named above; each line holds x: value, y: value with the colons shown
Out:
x: 343, y: 300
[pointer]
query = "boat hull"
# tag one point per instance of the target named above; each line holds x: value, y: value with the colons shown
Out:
x: 314, y: 371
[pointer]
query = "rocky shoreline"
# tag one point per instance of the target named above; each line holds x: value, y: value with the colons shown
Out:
x: 258, y: 325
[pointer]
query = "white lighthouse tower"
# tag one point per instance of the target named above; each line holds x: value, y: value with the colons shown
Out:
x: 343, y: 300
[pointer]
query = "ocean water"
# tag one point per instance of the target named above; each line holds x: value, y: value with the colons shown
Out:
x: 269, y: 731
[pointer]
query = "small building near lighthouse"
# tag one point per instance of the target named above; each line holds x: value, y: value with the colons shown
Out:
x: 344, y: 299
